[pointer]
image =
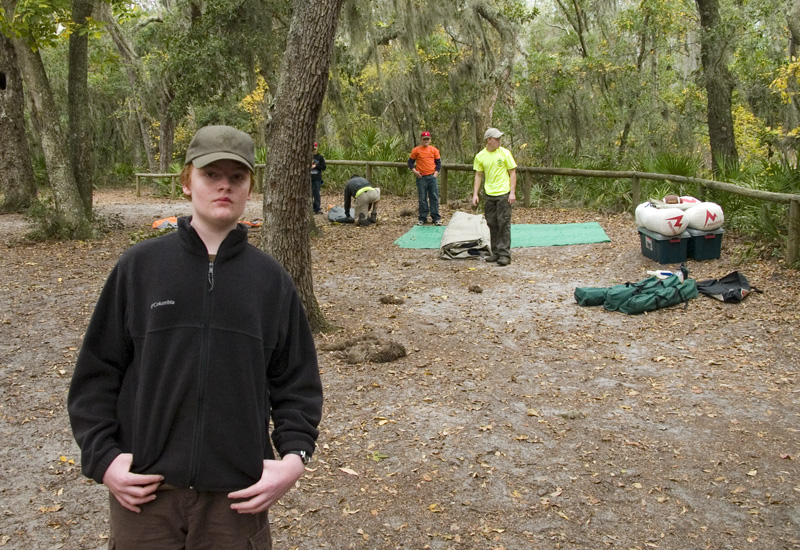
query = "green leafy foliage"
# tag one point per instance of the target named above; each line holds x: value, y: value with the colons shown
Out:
x: 370, y: 144
x: 163, y: 187
x: 38, y: 21
x: 668, y: 163
x: 585, y: 85
x: 766, y: 222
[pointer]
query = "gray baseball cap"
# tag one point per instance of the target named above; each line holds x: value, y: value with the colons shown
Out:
x: 212, y: 143
x: 493, y: 133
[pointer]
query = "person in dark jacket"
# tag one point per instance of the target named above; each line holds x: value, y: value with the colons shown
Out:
x: 197, y: 342
x: 317, y: 166
x: 365, y: 199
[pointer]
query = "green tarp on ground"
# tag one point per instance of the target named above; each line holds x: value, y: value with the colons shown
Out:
x: 522, y: 235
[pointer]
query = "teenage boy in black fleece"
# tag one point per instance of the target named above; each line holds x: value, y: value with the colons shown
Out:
x: 198, y: 339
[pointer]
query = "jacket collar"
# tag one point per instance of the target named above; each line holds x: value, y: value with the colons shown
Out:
x: 191, y: 241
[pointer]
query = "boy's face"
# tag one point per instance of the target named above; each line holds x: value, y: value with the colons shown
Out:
x: 426, y: 141
x: 219, y: 192
x: 492, y: 143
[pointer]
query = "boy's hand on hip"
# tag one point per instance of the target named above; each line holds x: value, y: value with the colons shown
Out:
x: 277, y: 478
x: 130, y: 490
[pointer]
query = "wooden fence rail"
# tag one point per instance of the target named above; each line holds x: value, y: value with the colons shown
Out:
x: 173, y: 178
x: 792, y: 242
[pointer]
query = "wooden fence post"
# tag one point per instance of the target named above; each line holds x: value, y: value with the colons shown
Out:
x: 368, y: 173
x: 443, y: 180
x: 793, y: 242
x: 636, y: 191
x: 138, y: 194
x: 526, y: 189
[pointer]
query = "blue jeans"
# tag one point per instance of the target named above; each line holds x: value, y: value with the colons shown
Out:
x: 315, y: 189
x: 428, y: 193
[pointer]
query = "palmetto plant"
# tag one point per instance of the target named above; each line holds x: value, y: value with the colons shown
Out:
x: 162, y: 187
x: 370, y: 144
x: 667, y: 163
x: 764, y: 223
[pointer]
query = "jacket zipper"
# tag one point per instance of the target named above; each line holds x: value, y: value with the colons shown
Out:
x: 201, y: 384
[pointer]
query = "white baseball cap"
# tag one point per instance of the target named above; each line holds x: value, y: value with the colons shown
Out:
x: 492, y: 133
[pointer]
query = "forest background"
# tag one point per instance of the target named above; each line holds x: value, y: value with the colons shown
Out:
x: 676, y: 429
x: 705, y: 88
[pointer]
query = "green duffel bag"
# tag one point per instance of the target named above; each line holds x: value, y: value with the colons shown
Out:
x: 668, y: 292
x: 619, y: 294
x: 590, y: 295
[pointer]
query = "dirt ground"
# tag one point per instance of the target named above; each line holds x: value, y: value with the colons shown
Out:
x: 518, y: 420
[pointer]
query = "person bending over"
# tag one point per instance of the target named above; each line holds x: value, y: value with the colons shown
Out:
x: 364, y: 198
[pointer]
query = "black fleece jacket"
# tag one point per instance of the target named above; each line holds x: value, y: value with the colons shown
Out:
x: 186, y: 360
x: 316, y: 173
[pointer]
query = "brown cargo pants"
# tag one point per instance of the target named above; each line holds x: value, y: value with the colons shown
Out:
x: 181, y: 519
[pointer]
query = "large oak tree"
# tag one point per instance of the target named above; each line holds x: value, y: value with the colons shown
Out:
x: 17, y: 184
x: 80, y: 130
x: 719, y: 87
x: 74, y: 219
x: 287, y: 198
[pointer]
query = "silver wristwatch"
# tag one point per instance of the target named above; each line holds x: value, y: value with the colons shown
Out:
x: 304, y: 456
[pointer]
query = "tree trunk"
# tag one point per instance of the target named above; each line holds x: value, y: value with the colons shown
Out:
x: 166, y: 137
x: 497, y: 80
x: 577, y: 127
x: 792, y: 116
x: 632, y: 103
x: 17, y: 183
x: 78, y: 103
x: 66, y: 197
x: 309, y: 48
x: 132, y: 70
x: 719, y: 88
x: 577, y: 21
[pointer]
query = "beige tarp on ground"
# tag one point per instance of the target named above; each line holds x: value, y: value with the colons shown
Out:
x: 466, y: 236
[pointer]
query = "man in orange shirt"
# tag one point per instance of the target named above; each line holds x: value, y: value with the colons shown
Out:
x: 426, y: 163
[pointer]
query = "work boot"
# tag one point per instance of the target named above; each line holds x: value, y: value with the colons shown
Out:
x: 492, y: 258
x: 503, y: 260
x: 362, y: 219
x: 373, y: 218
